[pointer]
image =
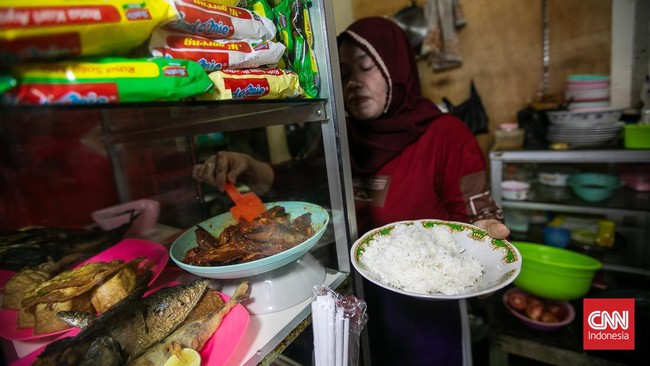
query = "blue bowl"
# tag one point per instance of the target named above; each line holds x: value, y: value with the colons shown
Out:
x: 557, y: 236
x: 594, y: 187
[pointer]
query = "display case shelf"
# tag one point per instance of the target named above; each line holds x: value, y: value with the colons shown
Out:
x: 134, y: 122
x: 629, y: 208
x: 499, y: 158
x: 625, y: 202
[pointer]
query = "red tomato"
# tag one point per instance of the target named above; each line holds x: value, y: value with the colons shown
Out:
x: 556, y: 310
x: 534, y: 309
x: 548, y: 317
x: 517, y: 301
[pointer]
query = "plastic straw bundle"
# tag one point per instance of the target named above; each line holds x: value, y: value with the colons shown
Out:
x: 337, y: 323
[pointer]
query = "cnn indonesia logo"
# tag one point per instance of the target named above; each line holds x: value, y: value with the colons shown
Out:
x: 608, y: 324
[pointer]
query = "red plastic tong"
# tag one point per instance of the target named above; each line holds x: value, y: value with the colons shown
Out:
x: 247, y: 206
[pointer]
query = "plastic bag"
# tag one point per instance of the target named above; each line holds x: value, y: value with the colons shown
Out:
x: 253, y: 84
x: 106, y: 80
x: 215, y: 55
x: 470, y: 111
x: 54, y: 30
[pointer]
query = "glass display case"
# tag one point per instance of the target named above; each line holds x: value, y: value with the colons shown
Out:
x: 627, y: 207
x: 61, y: 163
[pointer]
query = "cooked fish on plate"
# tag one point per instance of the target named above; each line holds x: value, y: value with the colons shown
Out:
x: 80, y: 290
x: 214, y: 327
x: 222, y: 248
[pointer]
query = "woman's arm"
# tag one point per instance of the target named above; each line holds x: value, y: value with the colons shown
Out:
x: 233, y: 167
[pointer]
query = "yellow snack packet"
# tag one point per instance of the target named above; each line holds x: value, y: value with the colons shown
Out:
x: 56, y: 29
x: 249, y: 84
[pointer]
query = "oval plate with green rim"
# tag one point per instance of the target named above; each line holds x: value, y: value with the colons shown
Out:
x: 187, y: 240
x: 501, y: 260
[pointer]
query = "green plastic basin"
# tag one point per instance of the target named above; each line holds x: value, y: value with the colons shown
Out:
x: 554, y: 273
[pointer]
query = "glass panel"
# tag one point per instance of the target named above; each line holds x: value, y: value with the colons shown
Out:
x: 54, y: 170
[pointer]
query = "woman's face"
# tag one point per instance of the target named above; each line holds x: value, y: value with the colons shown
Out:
x: 364, y: 87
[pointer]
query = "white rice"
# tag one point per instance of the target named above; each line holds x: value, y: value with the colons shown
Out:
x: 422, y: 260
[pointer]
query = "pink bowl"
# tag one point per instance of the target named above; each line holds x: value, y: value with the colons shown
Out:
x: 587, y: 85
x: 115, y: 216
x: 635, y: 176
x: 539, y: 325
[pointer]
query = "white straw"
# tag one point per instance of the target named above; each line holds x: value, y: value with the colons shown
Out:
x: 323, y: 332
x: 315, y: 315
x: 330, y: 333
x: 339, y: 336
x: 346, y: 337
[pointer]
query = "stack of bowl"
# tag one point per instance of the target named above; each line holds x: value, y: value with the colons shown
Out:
x: 585, y: 127
x: 587, y: 91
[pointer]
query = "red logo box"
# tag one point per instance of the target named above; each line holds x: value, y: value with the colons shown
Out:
x: 608, y: 324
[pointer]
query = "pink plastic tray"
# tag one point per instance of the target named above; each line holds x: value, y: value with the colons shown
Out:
x: 126, y: 249
x: 216, y: 352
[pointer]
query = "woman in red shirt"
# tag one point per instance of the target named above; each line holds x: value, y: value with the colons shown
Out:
x: 409, y: 161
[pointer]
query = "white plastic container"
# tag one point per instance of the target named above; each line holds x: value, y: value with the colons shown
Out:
x: 515, y: 190
x: 509, y: 137
x: 555, y: 177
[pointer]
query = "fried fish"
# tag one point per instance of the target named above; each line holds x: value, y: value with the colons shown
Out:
x: 191, y: 334
x: 128, y: 328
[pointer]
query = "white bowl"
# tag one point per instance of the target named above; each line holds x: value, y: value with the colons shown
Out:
x: 588, y: 104
x: 584, y: 118
x: 280, y: 288
x: 555, y: 177
x: 586, y: 94
x: 500, y: 259
x: 515, y: 190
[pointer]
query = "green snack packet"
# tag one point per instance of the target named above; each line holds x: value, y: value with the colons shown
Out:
x: 6, y: 82
x: 304, y: 60
x: 108, y: 80
x: 282, y: 13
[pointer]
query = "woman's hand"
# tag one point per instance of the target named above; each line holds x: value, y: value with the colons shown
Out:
x: 495, y: 228
x: 233, y: 166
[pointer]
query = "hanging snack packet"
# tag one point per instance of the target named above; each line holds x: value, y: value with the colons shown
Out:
x: 282, y: 13
x: 48, y: 30
x: 254, y: 84
x: 107, y: 80
x: 215, y: 55
x: 214, y: 21
x: 262, y: 8
x: 6, y: 82
x: 304, y: 60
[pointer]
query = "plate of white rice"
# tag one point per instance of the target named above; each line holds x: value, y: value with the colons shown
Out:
x: 435, y: 259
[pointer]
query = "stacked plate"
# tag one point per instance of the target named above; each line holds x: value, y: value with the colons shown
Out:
x: 587, y: 91
x: 585, y: 128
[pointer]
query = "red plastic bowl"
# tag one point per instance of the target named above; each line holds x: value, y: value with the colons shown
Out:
x: 538, y: 325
